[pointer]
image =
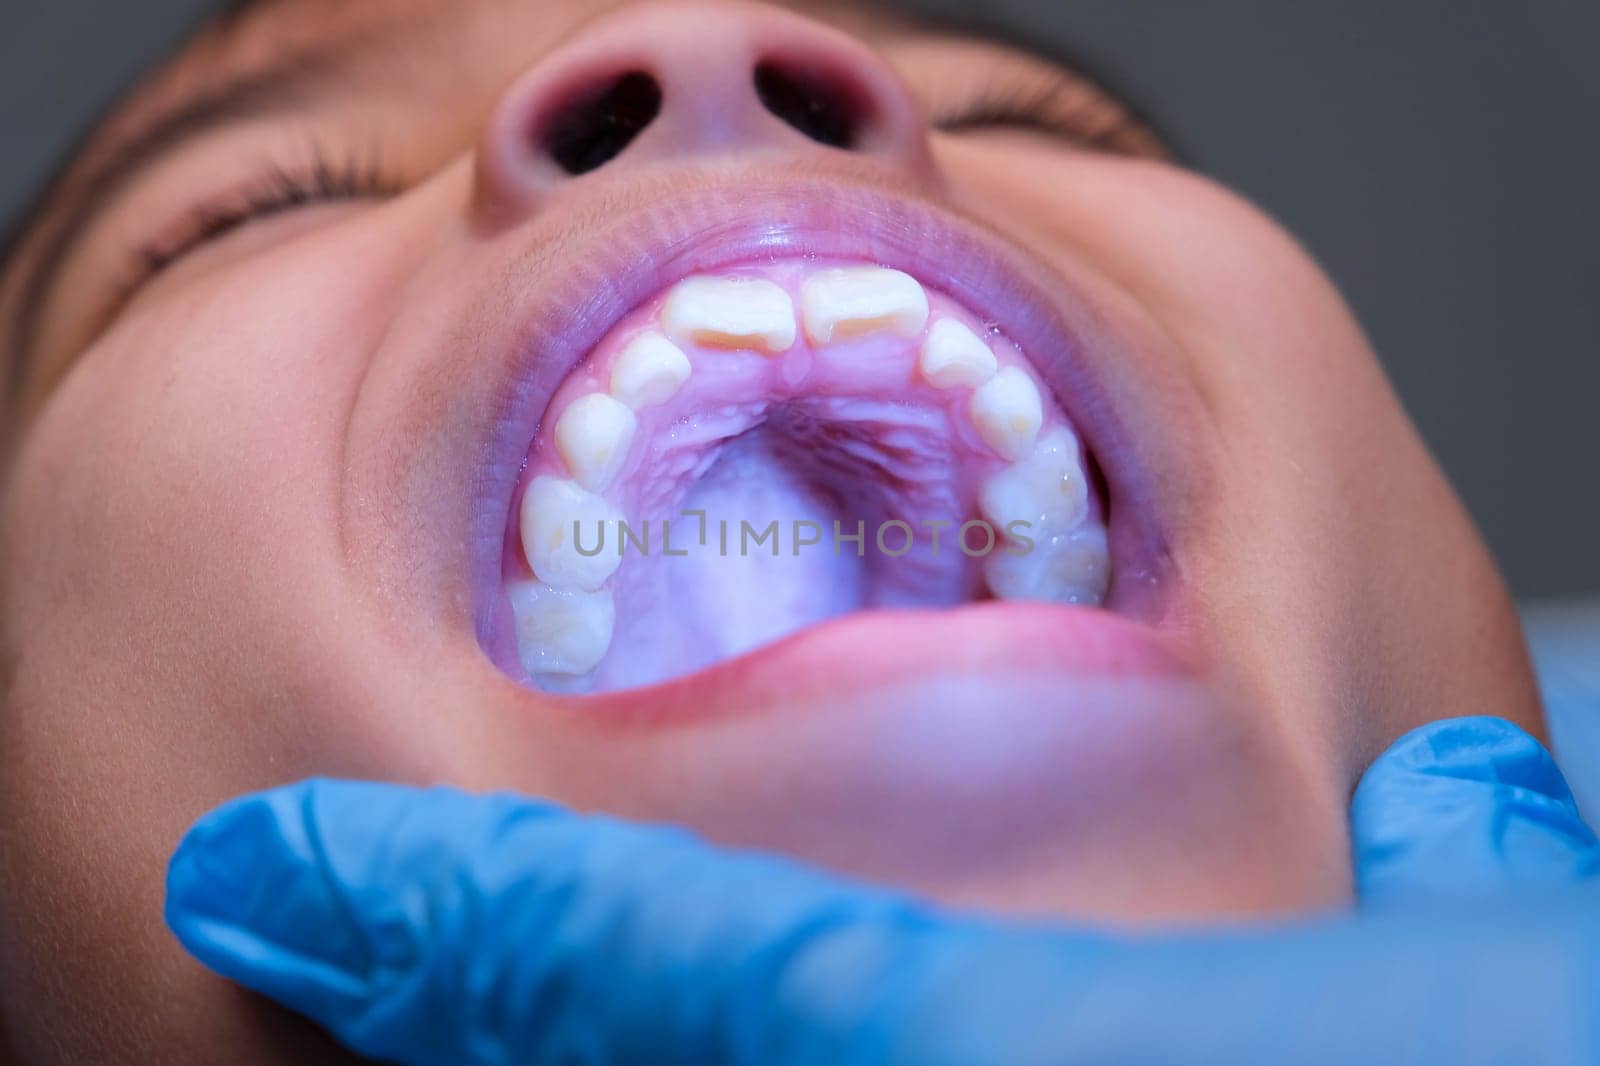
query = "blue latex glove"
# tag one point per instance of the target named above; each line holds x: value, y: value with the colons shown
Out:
x: 437, y: 927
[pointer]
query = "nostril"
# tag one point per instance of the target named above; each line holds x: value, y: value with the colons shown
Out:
x: 823, y: 110
x: 594, y: 128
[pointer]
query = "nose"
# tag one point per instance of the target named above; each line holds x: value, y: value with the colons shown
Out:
x: 695, y: 82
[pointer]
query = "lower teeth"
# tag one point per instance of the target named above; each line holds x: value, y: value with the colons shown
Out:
x: 876, y: 450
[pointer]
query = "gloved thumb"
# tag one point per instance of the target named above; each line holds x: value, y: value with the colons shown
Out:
x: 1465, y: 806
x: 433, y: 926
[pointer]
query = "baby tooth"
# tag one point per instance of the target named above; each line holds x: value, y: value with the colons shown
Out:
x: 846, y: 302
x: 1065, y: 568
x: 649, y: 371
x: 1048, y: 490
x: 593, y: 436
x: 1008, y: 413
x: 739, y: 313
x: 560, y: 517
x: 561, y: 631
x: 954, y: 355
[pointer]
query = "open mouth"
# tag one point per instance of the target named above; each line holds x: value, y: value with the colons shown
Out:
x: 762, y: 448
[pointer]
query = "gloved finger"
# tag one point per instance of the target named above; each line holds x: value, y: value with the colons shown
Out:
x: 438, y: 927
x: 1465, y: 806
x: 434, y: 927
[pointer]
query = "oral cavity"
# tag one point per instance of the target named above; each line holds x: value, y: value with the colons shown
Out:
x: 758, y: 451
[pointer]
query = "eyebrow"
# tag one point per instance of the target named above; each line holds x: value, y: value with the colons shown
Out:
x: 274, y: 90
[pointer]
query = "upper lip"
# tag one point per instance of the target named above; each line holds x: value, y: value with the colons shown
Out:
x: 717, y: 225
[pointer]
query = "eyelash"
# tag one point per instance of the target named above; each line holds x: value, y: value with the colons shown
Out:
x: 278, y: 190
x: 328, y: 180
x: 1043, y: 108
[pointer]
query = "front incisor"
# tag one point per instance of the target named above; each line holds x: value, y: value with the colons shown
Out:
x: 845, y: 302
x: 749, y: 314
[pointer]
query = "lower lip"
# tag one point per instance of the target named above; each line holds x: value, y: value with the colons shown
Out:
x: 981, y: 749
x: 990, y: 644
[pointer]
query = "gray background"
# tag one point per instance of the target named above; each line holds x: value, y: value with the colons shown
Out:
x: 1439, y: 157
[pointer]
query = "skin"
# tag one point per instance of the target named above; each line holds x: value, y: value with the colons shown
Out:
x: 231, y: 547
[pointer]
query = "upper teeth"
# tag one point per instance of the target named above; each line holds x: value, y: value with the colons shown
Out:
x: 566, y: 616
x: 561, y: 631
x: 1069, y: 567
x: 955, y: 356
x: 1048, y: 489
x: 1008, y: 412
x: 593, y: 436
x: 737, y: 313
x: 845, y: 302
x: 649, y: 371
x: 554, y: 514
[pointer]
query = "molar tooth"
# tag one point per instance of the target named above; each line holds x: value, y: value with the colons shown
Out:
x: 844, y: 302
x: 561, y: 631
x: 1008, y: 413
x: 737, y: 313
x: 649, y: 371
x: 593, y: 436
x: 1049, y: 489
x: 1063, y: 568
x: 954, y: 356
x: 550, y: 510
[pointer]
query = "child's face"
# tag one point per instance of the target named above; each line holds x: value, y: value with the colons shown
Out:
x: 264, y: 503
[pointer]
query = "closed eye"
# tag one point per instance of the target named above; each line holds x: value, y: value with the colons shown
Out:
x: 1063, y: 107
x: 276, y: 191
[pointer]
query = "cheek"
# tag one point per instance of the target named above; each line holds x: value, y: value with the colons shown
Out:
x: 1287, y: 380
x: 167, y: 507
x: 1334, y: 566
x: 1243, y: 300
x: 173, y: 548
